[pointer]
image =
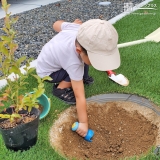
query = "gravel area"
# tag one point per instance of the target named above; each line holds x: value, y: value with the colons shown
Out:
x: 34, y: 27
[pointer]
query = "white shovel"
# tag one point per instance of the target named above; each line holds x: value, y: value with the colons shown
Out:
x: 120, y: 79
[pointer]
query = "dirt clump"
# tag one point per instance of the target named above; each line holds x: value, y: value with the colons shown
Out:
x: 118, y: 134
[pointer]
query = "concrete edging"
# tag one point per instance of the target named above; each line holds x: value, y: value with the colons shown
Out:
x: 120, y: 16
x: 103, y: 98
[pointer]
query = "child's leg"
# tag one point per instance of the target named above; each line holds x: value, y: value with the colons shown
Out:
x: 62, y: 78
x: 86, y: 78
x: 86, y: 70
x: 63, y: 90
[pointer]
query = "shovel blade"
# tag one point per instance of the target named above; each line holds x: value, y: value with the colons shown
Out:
x: 120, y: 79
x: 154, y: 36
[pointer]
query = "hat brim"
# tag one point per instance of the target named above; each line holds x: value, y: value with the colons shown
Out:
x: 104, y: 61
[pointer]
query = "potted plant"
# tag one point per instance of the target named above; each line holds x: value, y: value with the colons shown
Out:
x: 19, y: 122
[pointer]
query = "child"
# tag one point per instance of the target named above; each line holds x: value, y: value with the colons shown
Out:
x: 67, y: 55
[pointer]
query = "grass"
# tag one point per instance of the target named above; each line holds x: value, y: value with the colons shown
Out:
x: 139, y: 63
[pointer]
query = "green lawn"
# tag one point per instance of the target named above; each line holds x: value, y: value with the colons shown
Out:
x: 139, y: 63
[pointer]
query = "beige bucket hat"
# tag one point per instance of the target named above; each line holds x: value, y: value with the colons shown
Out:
x: 100, y: 39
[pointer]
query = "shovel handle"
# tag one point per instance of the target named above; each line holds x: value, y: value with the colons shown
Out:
x: 110, y: 72
x: 133, y: 43
x: 89, y: 135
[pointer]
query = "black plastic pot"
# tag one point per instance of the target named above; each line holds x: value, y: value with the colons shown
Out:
x: 23, y: 136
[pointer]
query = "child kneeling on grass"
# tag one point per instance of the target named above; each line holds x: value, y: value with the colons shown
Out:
x: 67, y: 56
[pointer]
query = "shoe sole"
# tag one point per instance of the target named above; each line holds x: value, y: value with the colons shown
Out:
x: 89, y: 83
x: 71, y: 103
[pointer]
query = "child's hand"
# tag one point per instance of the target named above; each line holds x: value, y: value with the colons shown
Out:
x: 82, y: 129
x: 77, y: 21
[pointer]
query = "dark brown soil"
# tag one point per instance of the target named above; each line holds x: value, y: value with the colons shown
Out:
x: 6, y: 124
x: 40, y: 108
x: 118, y: 134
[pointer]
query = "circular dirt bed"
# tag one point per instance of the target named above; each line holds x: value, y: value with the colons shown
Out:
x: 122, y: 129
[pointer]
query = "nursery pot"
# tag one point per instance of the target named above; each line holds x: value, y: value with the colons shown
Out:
x: 23, y: 136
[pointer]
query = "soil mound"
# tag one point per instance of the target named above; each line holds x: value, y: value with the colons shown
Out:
x: 122, y: 129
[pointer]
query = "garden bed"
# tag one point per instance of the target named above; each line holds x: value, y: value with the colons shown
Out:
x: 122, y: 129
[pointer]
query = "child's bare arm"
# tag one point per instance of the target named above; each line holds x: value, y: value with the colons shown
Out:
x: 78, y: 89
x: 57, y: 25
x: 77, y: 21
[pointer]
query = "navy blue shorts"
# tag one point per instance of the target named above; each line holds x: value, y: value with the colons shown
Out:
x: 62, y: 75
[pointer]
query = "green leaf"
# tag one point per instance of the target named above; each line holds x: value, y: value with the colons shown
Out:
x: 14, y: 20
x: 29, y: 109
x: 8, y: 6
x: 4, y: 2
x: 7, y: 21
x: 1, y: 44
x: 13, y: 47
x: 15, y: 70
x: 6, y: 38
x: 15, y: 115
x: 12, y: 31
x: 23, y: 83
x: 3, y: 8
x: 5, y: 30
x: 38, y: 78
x: 24, y: 107
x: 47, y: 78
x: 4, y: 50
x: 41, y: 85
x: 20, y: 60
x: 34, y: 89
x: 23, y: 77
x: 36, y: 106
x: 37, y: 93
x: 7, y: 61
x: 5, y: 94
x: 26, y: 98
x: 40, y: 92
x: 31, y: 70
x: 11, y: 119
x: 13, y: 95
x: 27, y: 63
x: 5, y: 116
x: 30, y: 59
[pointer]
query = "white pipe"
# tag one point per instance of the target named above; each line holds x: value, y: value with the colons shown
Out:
x: 132, y: 43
